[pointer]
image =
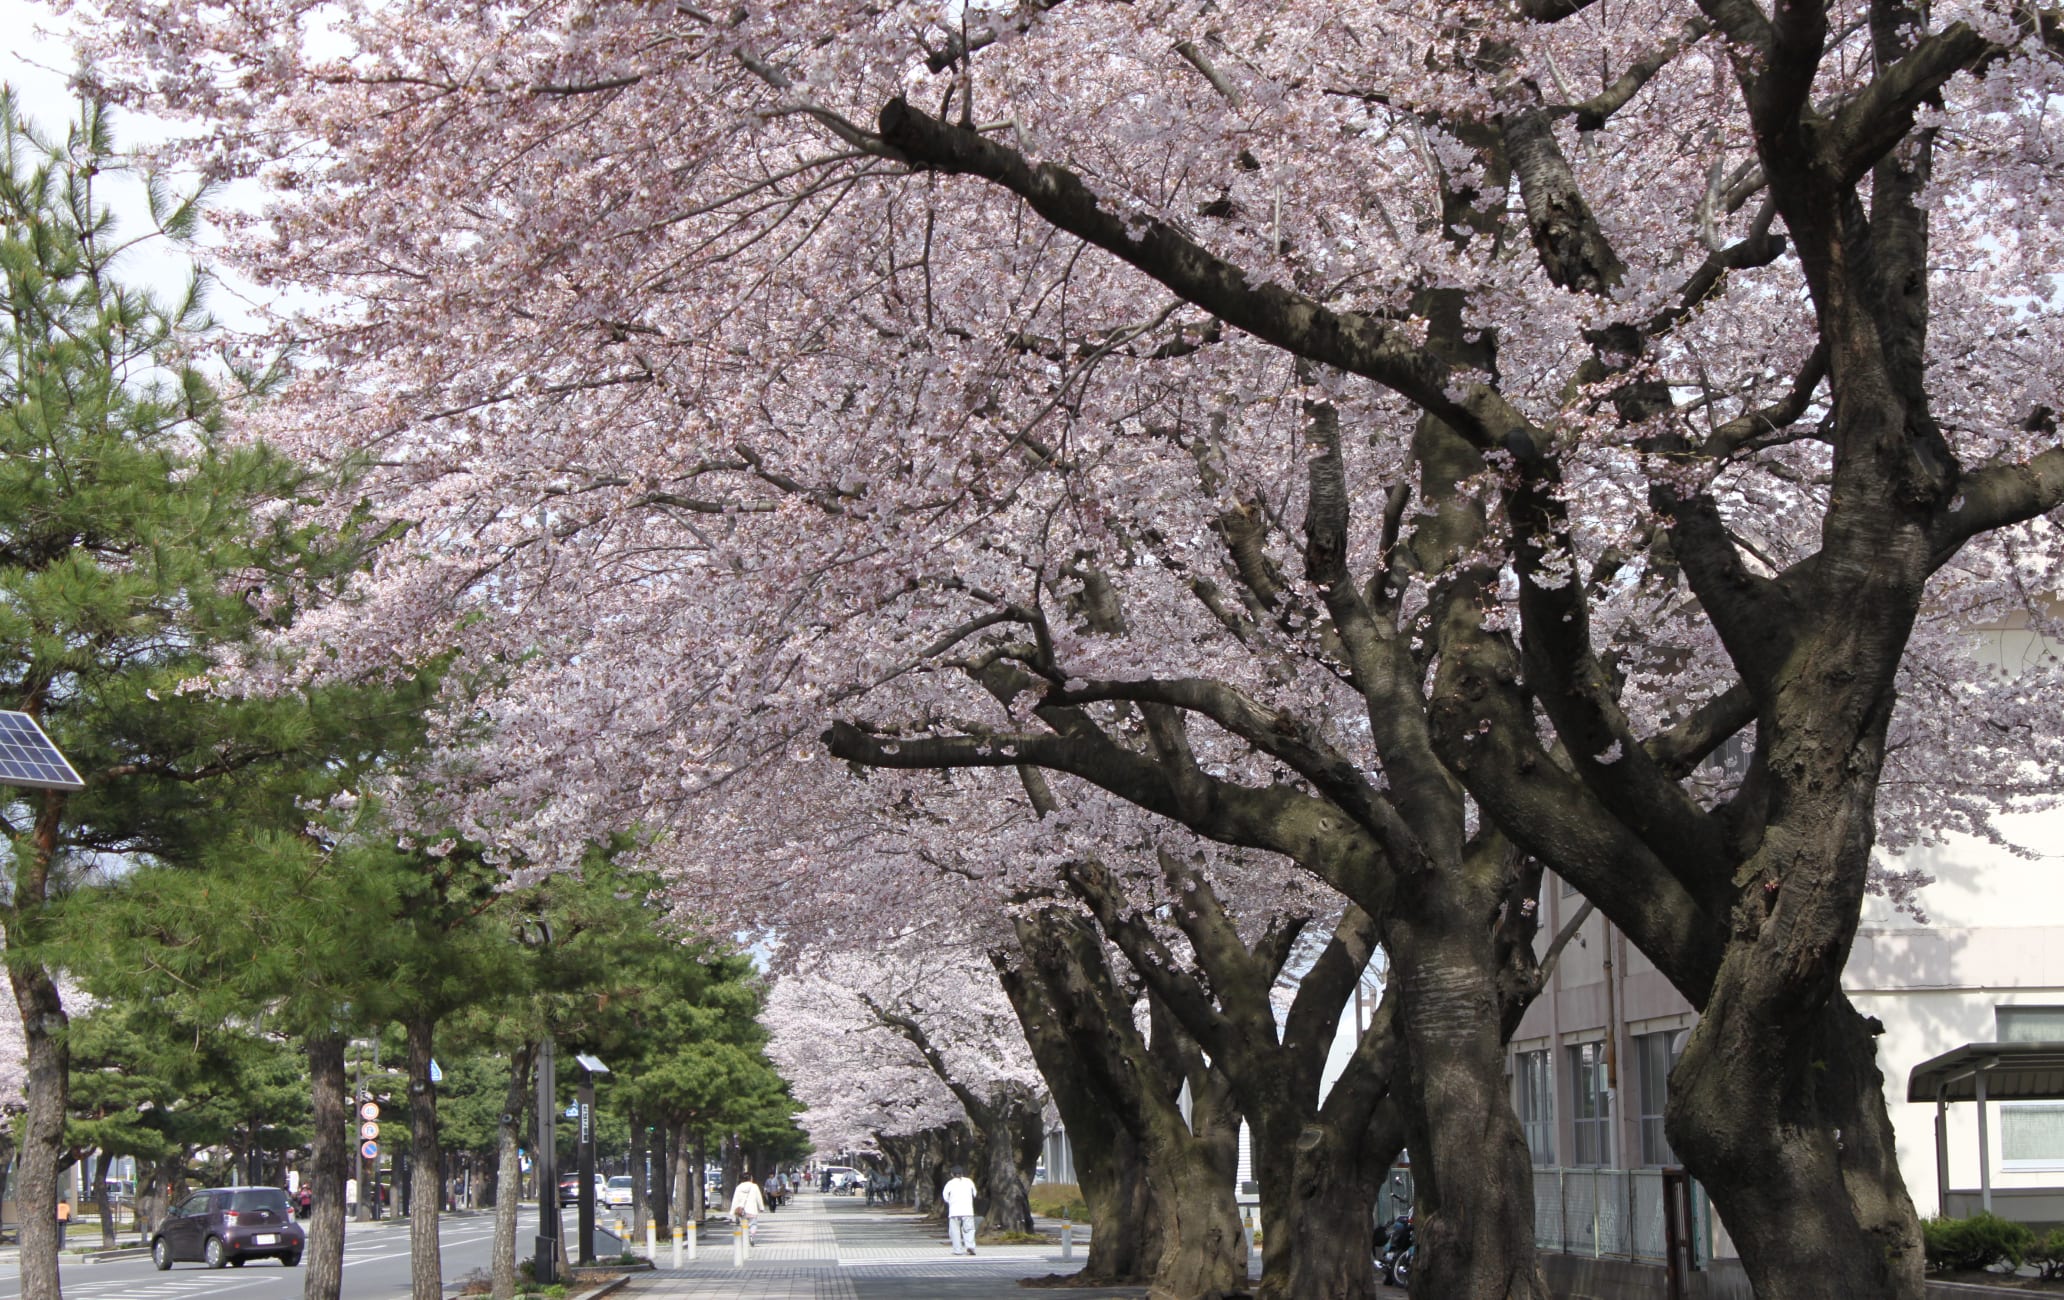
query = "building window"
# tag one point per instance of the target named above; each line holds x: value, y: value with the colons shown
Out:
x: 1536, y: 1104
x: 2031, y: 1135
x: 1653, y: 1059
x: 2028, y: 1024
x: 1590, y: 1117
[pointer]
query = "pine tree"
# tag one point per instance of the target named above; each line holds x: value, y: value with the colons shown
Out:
x: 136, y: 545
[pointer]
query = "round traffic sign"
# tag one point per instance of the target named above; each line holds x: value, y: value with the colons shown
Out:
x: 370, y: 1150
x: 369, y: 1130
x: 370, y: 1110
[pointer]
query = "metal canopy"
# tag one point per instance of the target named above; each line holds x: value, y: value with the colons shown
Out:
x: 2012, y: 1072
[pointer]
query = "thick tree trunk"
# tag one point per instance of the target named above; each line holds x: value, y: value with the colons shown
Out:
x: 426, y: 1270
x: 41, y: 1127
x: 1472, y: 1173
x: 1013, y: 1114
x: 509, y: 1173
x: 1790, y: 1137
x: 1193, y: 1220
x: 1318, y: 1197
x: 329, y: 1165
x: 1159, y: 1187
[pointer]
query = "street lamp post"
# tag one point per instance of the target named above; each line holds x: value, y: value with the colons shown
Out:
x: 590, y: 1067
x: 536, y: 933
x: 548, y: 1249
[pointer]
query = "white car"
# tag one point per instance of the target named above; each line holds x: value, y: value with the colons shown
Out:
x: 618, y: 1191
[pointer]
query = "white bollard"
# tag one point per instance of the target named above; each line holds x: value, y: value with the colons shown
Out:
x: 691, y: 1242
x: 738, y: 1247
x: 652, y: 1241
x: 677, y: 1245
x: 1067, y: 1240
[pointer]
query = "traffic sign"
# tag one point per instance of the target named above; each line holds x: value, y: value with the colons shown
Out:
x: 369, y: 1130
x: 370, y: 1110
x: 370, y: 1150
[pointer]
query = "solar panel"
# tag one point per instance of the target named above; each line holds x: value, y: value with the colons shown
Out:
x: 28, y: 758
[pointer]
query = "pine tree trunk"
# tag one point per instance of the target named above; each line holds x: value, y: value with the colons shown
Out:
x: 329, y: 1165
x: 426, y: 1269
x: 660, y: 1194
x: 106, y: 1202
x: 41, y: 1127
x: 638, y: 1145
x: 509, y: 1173
x: 689, y: 1164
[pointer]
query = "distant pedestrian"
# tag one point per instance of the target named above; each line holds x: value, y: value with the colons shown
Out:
x: 959, y: 1196
x: 746, y: 1203
x: 64, y: 1219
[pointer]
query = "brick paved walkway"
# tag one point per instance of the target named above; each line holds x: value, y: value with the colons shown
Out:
x: 836, y: 1248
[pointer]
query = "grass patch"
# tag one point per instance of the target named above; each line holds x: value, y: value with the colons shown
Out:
x: 1012, y: 1239
x: 1059, y: 1201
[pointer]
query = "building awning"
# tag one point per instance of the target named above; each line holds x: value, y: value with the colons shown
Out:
x: 2013, y: 1072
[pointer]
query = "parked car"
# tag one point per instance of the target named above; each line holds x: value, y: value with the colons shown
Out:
x: 618, y: 1191
x: 229, y: 1225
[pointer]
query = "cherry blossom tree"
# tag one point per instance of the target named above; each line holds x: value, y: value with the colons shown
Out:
x: 1405, y: 440
x: 933, y: 1004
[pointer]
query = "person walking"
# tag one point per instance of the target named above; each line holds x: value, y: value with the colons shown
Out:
x: 746, y: 1203
x: 64, y: 1219
x: 959, y: 1195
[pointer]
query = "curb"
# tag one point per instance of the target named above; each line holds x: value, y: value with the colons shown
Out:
x: 603, y: 1290
x: 120, y: 1252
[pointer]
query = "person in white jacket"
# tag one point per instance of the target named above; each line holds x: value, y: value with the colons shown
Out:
x: 959, y: 1195
x: 747, y: 1205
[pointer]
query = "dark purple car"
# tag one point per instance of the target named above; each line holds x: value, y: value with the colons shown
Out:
x: 228, y: 1225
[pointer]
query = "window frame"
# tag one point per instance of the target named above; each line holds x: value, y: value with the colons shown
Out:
x: 2003, y: 1011
x: 2031, y: 1165
x: 1645, y: 1063
x: 1587, y: 1066
x: 1534, y: 1091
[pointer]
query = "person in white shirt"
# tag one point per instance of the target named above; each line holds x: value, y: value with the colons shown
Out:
x: 746, y: 1203
x: 959, y: 1195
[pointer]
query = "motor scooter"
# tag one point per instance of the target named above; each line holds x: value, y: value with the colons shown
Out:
x: 1395, y: 1259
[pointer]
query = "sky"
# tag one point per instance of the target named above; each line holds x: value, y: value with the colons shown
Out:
x: 37, y: 60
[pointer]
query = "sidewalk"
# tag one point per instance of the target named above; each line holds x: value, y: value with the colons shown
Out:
x: 835, y: 1248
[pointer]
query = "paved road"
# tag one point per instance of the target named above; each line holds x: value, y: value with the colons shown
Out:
x: 375, y: 1268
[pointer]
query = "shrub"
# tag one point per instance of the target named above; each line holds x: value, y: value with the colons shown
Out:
x: 1982, y: 1241
x: 477, y: 1282
x: 2047, y: 1254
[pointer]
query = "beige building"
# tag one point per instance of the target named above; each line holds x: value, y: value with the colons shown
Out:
x: 1590, y: 1062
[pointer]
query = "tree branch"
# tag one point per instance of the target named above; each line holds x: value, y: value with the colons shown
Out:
x: 1356, y: 342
